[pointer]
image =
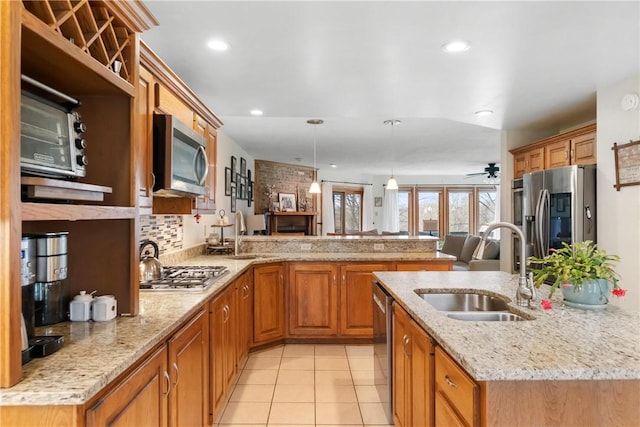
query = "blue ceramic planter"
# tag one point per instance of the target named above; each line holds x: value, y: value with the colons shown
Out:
x: 592, y: 292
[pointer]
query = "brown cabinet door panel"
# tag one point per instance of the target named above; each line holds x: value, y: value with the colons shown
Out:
x: 583, y: 149
x: 268, y: 303
x: 188, y: 369
x: 313, y: 299
x: 139, y: 400
x: 557, y: 154
x: 356, y: 296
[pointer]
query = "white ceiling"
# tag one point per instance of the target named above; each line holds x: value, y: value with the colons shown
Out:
x: 356, y: 64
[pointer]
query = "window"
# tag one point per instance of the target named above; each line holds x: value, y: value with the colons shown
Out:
x: 429, y: 212
x: 347, y: 210
x: 436, y: 211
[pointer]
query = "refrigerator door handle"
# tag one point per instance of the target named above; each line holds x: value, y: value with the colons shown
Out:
x: 542, y: 223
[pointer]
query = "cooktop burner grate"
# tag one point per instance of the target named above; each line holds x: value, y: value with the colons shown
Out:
x: 185, y: 278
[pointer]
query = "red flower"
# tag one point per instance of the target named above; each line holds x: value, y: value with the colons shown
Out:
x: 619, y: 292
x: 546, y: 304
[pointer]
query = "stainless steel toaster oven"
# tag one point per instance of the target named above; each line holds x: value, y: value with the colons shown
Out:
x: 51, y: 130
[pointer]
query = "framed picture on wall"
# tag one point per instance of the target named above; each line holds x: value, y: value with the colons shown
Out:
x: 377, y: 202
x: 243, y: 166
x: 227, y: 181
x: 234, y: 168
x: 233, y: 198
x: 287, y: 202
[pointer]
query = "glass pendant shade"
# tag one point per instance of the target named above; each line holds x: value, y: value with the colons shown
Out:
x: 315, y: 188
x: 392, y: 184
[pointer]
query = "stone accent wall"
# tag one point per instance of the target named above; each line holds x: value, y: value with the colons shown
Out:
x: 282, y: 178
x: 165, y: 230
x: 337, y: 244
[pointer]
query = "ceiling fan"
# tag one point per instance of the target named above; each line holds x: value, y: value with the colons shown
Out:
x: 490, y: 171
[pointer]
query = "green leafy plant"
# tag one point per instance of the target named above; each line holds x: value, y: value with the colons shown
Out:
x: 574, y: 264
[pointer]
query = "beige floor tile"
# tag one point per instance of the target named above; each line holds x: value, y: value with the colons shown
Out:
x: 246, y: 413
x: 295, y: 377
x: 362, y: 377
x: 294, y: 393
x: 298, y: 350
x: 338, y: 413
x: 300, y: 363
x: 262, y: 363
x: 269, y: 352
x: 292, y: 413
x: 258, y: 376
x: 359, y: 350
x: 373, y: 413
x: 332, y: 364
x: 330, y: 350
x: 367, y: 394
x: 361, y: 363
x: 252, y: 393
x: 329, y: 393
x: 334, y: 377
x: 243, y: 425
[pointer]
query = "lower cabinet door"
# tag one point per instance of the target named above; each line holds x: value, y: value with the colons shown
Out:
x: 445, y: 414
x: 139, y: 400
x: 268, y: 303
x: 356, y: 294
x: 189, y: 370
x: 313, y: 300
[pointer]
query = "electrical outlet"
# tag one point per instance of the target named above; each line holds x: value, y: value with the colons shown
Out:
x: 378, y: 246
x: 305, y: 247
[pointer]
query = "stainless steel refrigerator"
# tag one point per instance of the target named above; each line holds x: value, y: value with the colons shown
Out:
x: 559, y: 205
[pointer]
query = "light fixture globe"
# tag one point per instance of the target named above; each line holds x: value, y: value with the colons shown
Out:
x: 392, y: 184
x: 315, y: 187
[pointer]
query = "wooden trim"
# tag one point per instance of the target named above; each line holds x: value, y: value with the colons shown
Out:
x: 42, y: 211
x: 10, y: 222
x: 163, y: 74
x: 555, y: 138
x: 134, y: 14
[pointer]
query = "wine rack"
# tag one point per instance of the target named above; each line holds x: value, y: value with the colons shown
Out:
x: 92, y: 27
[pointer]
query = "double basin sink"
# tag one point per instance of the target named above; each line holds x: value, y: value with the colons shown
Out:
x: 472, y: 306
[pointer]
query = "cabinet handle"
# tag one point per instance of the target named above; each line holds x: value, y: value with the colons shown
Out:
x: 166, y: 377
x: 451, y: 383
x: 225, y: 313
x: 335, y: 280
x: 405, y: 342
x: 344, y: 278
x: 175, y: 367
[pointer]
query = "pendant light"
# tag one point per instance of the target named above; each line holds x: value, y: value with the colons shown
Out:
x: 392, y: 184
x: 315, y: 187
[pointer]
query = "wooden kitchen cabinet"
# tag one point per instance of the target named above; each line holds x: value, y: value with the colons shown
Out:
x: 413, y: 372
x: 527, y: 161
x: 356, y: 294
x: 576, y: 147
x: 244, y: 300
x: 312, y: 289
x: 189, y: 373
x: 268, y: 303
x: 223, y: 348
x: 457, y: 395
x: 144, y: 140
x: 140, y: 399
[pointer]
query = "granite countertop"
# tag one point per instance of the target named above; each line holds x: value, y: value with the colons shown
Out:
x: 95, y: 353
x: 560, y: 344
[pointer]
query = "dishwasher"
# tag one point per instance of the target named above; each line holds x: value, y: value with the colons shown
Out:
x: 383, y: 347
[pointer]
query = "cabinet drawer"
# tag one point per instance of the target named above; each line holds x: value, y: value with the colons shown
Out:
x: 458, y: 388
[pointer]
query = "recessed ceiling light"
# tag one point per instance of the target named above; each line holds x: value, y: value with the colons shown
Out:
x: 482, y: 113
x: 333, y: 165
x: 456, y: 46
x: 256, y: 112
x: 218, y: 45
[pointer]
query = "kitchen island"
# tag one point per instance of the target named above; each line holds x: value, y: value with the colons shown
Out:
x: 565, y: 366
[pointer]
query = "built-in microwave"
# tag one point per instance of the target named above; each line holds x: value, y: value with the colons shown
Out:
x: 180, y: 163
x: 51, y: 141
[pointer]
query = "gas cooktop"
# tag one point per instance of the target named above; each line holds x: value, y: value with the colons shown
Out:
x: 185, y: 278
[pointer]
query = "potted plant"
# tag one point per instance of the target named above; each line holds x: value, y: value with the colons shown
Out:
x: 584, y: 273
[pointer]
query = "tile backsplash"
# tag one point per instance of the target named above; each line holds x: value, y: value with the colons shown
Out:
x: 165, y: 230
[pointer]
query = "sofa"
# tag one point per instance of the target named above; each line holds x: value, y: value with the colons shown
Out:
x: 464, y: 247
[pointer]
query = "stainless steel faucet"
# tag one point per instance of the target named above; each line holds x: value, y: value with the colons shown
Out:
x: 238, y: 229
x: 526, y: 292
